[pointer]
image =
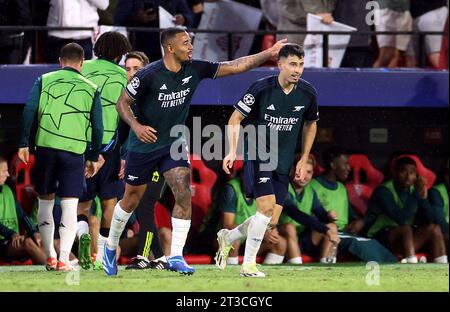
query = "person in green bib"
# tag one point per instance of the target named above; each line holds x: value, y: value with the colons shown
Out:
x: 438, y: 198
x: 68, y: 141
x: 393, y: 210
x: 14, y: 246
x: 332, y: 194
x: 317, y: 231
x: 236, y: 208
x: 111, y: 79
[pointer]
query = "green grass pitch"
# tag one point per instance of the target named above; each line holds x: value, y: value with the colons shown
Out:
x: 309, y: 277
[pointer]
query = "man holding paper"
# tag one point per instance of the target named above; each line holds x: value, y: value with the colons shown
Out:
x: 145, y: 13
x: 292, y: 16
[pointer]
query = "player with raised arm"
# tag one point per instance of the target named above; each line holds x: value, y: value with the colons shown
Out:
x: 162, y: 92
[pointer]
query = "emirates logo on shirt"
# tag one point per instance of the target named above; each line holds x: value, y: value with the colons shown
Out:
x: 173, y: 99
x: 280, y: 123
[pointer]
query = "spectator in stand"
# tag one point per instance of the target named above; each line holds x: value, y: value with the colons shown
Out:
x: 269, y: 9
x: 197, y: 10
x: 394, y: 16
x: 292, y: 16
x: 13, y: 12
x: 74, y: 13
x: 359, y: 51
x: 39, y: 14
x: 428, y: 15
x: 144, y: 13
x: 107, y: 16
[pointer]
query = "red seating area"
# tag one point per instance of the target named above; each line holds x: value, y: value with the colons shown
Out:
x: 21, y: 174
x: 268, y: 41
x: 318, y: 169
x: 443, y: 61
x: 15, y: 262
x: 359, y: 193
x: 203, y: 180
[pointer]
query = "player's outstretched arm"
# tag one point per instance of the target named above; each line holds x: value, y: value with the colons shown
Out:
x: 145, y: 133
x: 233, y: 129
x: 246, y: 63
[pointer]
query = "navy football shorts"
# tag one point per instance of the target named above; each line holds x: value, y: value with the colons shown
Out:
x: 139, y: 167
x: 59, y: 171
x: 261, y: 183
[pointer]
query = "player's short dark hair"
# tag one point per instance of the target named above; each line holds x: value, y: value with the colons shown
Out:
x: 171, y: 32
x: 3, y: 159
x: 72, y: 52
x: 137, y: 55
x: 111, y: 45
x: 403, y: 161
x: 291, y: 49
x: 332, y: 153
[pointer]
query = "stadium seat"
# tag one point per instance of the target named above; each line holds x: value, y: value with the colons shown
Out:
x: 419, y: 255
x: 124, y: 260
x: 20, y: 172
x: 443, y: 60
x: 21, y: 175
x: 421, y: 169
x: 259, y: 259
x: 318, y: 169
x: 307, y: 259
x: 268, y: 41
x: 197, y: 259
x: 359, y: 163
x: 359, y: 196
x: 202, y: 182
x: 162, y: 216
x: 16, y: 262
x: 359, y: 191
x: 238, y: 165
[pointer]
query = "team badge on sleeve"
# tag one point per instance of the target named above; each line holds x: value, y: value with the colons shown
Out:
x: 133, y: 85
x: 249, y: 99
x: 135, y: 82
